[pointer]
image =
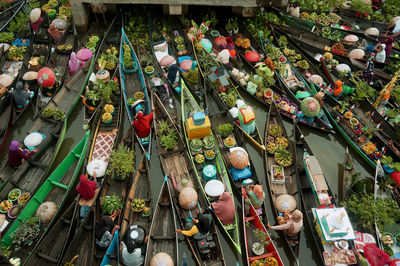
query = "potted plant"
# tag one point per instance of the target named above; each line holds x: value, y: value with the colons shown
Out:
x: 138, y: 95
x: 106, y: 118
x: 94, y: 38
x: 109, y: 204
x: 59, y: 114
x: 303, y: 65
x: 92, y: 97
x: 25, y: 234
x: 130, y: 65
x: 109, y: 108
x: 208, y: 142
x: 121, y: 163
x: 199, y: 158
x: 235, y: 26
x: 14, y: 194
x: 229, y: 27
x: 24, y: 198
x: 225, y: 129
x: 196, y: 145
x: 169, y: 141
x: 264, y: 241
x: 162, y: 127
x: 149, y: 70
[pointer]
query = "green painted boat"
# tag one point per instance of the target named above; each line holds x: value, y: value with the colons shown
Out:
x: 55, y: 189
x: 189, y: 104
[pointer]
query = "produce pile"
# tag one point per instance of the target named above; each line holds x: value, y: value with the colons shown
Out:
x: 277, y: 145
x: 108, y: 60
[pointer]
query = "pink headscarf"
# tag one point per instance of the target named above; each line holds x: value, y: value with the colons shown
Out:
x: 14, y: 146
x: 224, y: 208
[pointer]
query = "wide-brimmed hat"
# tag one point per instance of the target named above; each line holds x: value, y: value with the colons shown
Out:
x: 285, y: 202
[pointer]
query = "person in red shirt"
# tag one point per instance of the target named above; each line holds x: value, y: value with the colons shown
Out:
x: 142, y: 124
x: 16, y: 155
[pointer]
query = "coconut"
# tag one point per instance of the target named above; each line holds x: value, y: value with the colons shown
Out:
x: 372, y: 31
x: 46, y: 211
x: 188, y: 198
x: 239, y: 159
x: 356, y: 53
x: 34, y: 16
x: 30, y: 75
x: 6, y: 80
x: 163, y: 259
x: 167, y: 60
x: 350, y: 39
x: 343, y: 68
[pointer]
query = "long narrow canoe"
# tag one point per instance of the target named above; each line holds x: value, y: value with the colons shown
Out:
x: 112, y: 37
x: 160, y: 48
x: 113, y: 186
x: 346, y: 173
x: 193, y: 80
x: 51, y: 248
x: 158, y: 82
x: 132, y: 84
x: 102, y: 140
x: 189, y: 105
x: 55, y: 189
x: 6, y: 118
x: 252, y: 224
x: 58, y: 62
x: 112, y: 248
x: 7, y: 15
x: 140, y: 188
x: 218, y: 118
x: 38, y: 166
x: 289, y: 186
x: 177, y: 166
x: 162, y: 235
x: 306, y: 191
x: 208, y: 68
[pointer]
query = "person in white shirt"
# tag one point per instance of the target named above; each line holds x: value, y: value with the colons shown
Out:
x: 381, y: 53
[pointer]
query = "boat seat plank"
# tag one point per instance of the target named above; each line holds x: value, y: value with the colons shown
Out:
x: 58, y: 184
x: 163, y: 237
x: 164, y: 204
x: 48, y: 258
x: 279, y: 188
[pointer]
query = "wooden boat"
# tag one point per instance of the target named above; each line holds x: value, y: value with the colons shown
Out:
x: 162, y: 235
x: 133, y: 84
x: 195, y: 82
x: 207, y: 250
x: 347, y: 170
x: 81, y: 248
x: 140, y: 188
x: 189, y: 105
x: 102, y: 143
x: 113, y: 186
x: 217, y: 118
x: 6, y: 117
x: 306, y: 190
x: 316, y: 29
x: 58, y: 62
x: 38, y: 166
x: 348, y: 16
x: 252, y: 225
x: 112, y: 38
x: 203, y: 56
x: 52, y: 246
x: 7, y: 15
x: 311, y: 41
x: 287, y: 186
x: 158, y: 82
x: 55, y: 189
x: 160, y: 48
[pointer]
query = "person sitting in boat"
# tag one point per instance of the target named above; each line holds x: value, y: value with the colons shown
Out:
x: 291, y: 225
x: 21, y: 95
x: 16, y: 155
x: 86, y: 188
x: 105, y: 229
x: 337, y: 90
x: 35, y: 19
x: 368, y: 72
x: 395, y: 26
x: 201, y: 225
x: 134, y: 246
x: 224, y: 208
x: 380, y: 53
x: 256, y: 195
x: 142, y: 123
x: 389, y: 45
x: 55, y: 33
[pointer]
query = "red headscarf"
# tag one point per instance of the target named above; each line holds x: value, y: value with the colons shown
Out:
x: 86, y: 188
x: 224, y: 208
